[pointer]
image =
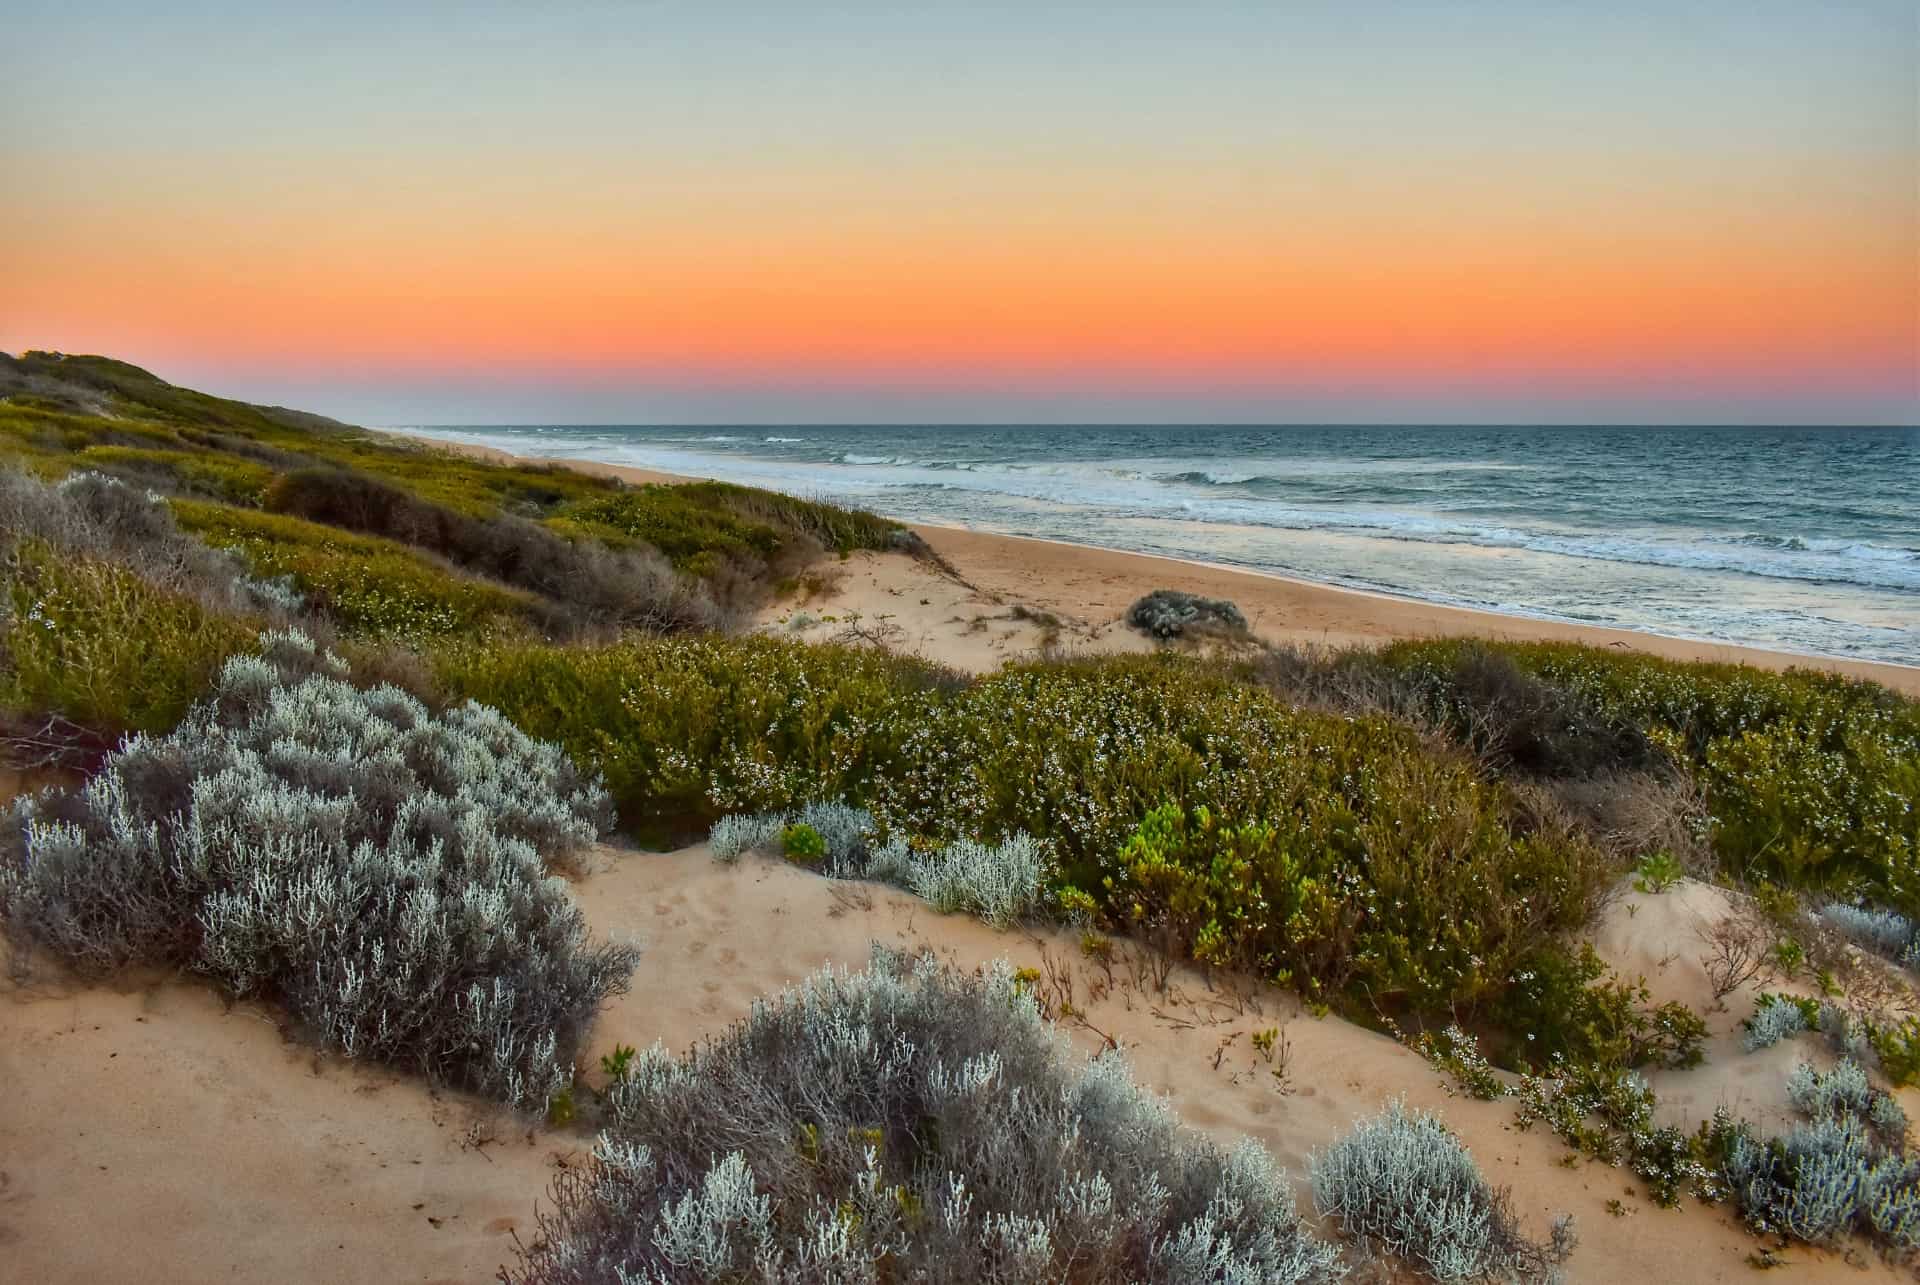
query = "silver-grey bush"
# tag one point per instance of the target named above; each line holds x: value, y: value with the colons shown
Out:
x: 1403, y: 1183
x: 909, y: 1122
x: 378, y: 869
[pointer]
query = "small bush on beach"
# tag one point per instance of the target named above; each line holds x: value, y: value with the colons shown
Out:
x: 802, y: 844
x: 378, y: 870
x: 1404, y: 1183
x: 1168, y: 613
x: 1845, y: 1169
x: 909, y: 1122
x: 998, y: 882
x: 1565, y: 1004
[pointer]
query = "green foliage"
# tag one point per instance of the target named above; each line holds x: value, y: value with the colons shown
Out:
x: 1897, y: 1044
x: 704, y: 527
x: 688, y: 730
x: 104, y: 648
x: 1457, y: 1055
x: 618, y: 1065
x: 223, y: 477
x: 802, y: 844
x: 1333, y: 853
x: 1658, y: 872
x: 1606, y: 1114
x: 1564, y: 1005
x: 1810, y: 777
x: 371, y: 587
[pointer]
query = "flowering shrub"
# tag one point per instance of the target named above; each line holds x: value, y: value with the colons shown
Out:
x: 1330, y: 852
x: 1810, y: 777
x: 686, y: 730
x: 1565, y: 1004
x: 909, y: 1122
x: 110, y: 615
x: 1404, y: 1182
x: 375, y: 868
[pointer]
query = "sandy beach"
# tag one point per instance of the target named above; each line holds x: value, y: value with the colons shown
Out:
x: 1090, y: 590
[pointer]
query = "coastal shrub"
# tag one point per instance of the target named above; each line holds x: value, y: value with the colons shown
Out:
x: 1564, y: 1003
x: 701, y: 525
x: 378, y: 870
x: 1776, y: 1018
x: 1844, y: 1169
x: 687, y: 730
x: 802, y: 843
x: 1606, y: 1112
x: 909, y: 1122
x: 1169, y: 613
x: 369, y: 587
x: 1883, y: 932
x: 1511, y: 718
x: 1809, y: 777
x: 1322, y: 851
x: 998, y: 882
x: 96, y: 644
x: 1404, y: 1183
x: 92, y: 516
x: 732, y: 836
x: 588, y: 583
x: 112, y: 618
x: 226, y: 477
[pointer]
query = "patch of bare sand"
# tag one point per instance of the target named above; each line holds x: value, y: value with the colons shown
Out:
x: 151, y: 1134
x: 908, y: 605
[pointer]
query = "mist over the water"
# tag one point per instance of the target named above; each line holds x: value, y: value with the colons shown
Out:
x: 1800, y: 539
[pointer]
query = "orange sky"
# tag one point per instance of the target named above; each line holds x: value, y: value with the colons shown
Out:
x: 999, y: 252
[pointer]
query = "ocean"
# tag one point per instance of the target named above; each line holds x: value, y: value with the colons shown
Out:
x: 1799, y: 539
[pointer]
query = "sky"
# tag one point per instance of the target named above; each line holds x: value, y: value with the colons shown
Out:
x: 1530, y: 211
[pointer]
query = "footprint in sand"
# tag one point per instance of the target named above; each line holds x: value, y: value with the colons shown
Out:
x: 727, y: 956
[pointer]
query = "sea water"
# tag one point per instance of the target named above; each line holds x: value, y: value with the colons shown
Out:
x: 1801, y: 539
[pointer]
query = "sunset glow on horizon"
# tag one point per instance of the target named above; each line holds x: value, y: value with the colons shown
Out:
x: 657, y: 213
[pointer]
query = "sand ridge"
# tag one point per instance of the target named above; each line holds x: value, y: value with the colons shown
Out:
x: 226, y: 1151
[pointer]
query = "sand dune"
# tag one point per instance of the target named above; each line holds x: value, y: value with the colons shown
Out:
x: 151, y: 1134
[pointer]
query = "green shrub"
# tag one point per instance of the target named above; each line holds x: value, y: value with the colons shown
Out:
x: 1334, y: 853
x: 92, y: 641
x: 370, y: 587
x: 687, y: 730
x: 707, y: 528
x: 1657, y: 872
x: 224, y: 477
x: 1563, y: 1004
x: 802, y: 844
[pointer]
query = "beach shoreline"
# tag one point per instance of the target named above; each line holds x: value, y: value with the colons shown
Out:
x: 1095, y: 585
